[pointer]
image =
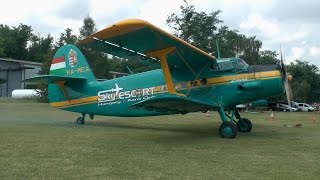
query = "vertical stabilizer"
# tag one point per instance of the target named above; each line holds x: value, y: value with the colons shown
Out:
x: 69, y: 61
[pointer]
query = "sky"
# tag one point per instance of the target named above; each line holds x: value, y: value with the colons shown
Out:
x: 293, y: 24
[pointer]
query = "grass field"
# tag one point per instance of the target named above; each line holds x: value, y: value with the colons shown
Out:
x: 40, y: 142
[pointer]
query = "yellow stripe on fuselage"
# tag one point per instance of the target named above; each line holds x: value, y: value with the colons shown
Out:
x: 255, y: 76
x: 73, y: 102
x: 210, y: 81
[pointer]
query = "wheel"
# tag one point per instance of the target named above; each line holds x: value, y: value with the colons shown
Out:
x: 228, y: 130
x: 244, y: 125
x: 80, y: 120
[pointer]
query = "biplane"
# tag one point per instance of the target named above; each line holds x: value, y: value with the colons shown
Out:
x: 186, y: 78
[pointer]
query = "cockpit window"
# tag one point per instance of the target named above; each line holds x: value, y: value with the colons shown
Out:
x: 225, y: 65
x: 241, y: 64
x: 234, y: 64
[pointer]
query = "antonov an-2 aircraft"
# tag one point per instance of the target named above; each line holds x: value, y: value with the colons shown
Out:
x: 188, y: 79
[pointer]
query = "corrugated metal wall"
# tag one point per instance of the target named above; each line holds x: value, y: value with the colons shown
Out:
x: 9, y: 72
x: 13, y: 73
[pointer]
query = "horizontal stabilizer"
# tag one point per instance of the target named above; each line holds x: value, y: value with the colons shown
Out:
x: 53, y: 78
x: 173, y: 103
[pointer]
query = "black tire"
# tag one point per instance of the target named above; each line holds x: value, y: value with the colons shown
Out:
x: 228, y: 130
x: 244, y: 125
x: 80, y: 120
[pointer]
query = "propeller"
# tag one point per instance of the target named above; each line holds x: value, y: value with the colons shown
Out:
x: 285, y: 80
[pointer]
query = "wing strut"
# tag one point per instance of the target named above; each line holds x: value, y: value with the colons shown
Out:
x: 162, y: 55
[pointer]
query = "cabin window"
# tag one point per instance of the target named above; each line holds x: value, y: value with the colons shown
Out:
x: 241, y: 64
x: 230, y: 64
x: 226, y: 65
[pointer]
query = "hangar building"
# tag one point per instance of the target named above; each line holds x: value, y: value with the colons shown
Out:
x: 12, y: 72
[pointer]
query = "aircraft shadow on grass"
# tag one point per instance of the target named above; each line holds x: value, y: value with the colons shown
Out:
x: 191, y: 130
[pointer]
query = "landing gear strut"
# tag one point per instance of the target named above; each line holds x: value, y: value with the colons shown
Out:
x: 230, y: 127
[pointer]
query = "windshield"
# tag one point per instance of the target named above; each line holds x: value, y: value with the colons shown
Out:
x: 240, y: 64
x: 232, y: 63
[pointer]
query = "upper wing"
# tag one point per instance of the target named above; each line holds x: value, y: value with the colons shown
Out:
x: 134, y: 37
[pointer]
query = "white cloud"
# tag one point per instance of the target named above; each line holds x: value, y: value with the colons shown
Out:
x: 271, y: 21
x: 293, y: 38
x: 255, y: 21
x: 315, y: 51
x: 156, y: 12
x: 296, y: 53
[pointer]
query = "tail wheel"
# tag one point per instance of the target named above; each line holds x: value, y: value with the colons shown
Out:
x: 244, y: 125
x: 228, y: 130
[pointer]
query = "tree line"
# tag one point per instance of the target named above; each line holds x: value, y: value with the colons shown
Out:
x: 203, y: 30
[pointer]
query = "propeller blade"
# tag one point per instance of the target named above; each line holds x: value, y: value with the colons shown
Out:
x: 283, y: 69
x: 288, y: 91
x: 285, y: 80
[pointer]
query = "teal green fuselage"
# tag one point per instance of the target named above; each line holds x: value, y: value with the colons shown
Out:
x: 219, y: 83
x: 224, y: 90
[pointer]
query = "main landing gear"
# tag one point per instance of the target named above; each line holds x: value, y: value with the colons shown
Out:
x: 230, y: 127
x: 80, y: 120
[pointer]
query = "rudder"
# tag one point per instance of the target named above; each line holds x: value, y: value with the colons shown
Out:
x: 69, y: 61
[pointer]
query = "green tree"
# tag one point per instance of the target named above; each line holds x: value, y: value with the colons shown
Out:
x: 40, y: 48
x: 88, y: 28
x: 13, y: 41
x: 98, y: 61
x: 251, y: 50
x: 43, y: 87
x: 23, y: 34
x: 229, y: 42
x: 268, y: 57
x: 301, y: 91
x: 233, y: 44
x: 202, y: 30
x: 66, y: 38
x: 196, y: 28
x: 7, y: 42
x: 306, y: 81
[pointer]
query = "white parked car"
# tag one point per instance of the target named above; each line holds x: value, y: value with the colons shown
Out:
x: 305, y: 107
x: 286, y: 108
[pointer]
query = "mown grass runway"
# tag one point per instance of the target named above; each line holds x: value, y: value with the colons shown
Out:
x: 40, y: 142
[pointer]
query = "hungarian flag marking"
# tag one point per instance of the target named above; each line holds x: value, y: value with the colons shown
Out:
x: 58, y: 63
